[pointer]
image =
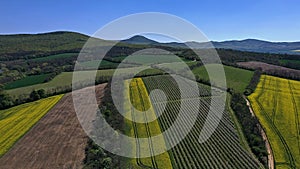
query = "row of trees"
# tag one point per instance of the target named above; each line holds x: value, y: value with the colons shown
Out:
x: 36, y: 95
x: 6, y: 101
x: 96, y: 157
x: 250, y: 126
x: 253, y: 83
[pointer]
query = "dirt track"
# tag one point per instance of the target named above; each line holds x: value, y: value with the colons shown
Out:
x: 265, y: 138
x: 57, y: 141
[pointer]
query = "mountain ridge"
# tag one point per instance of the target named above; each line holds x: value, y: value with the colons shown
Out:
x: 77, y: 40
x: 250, y: 45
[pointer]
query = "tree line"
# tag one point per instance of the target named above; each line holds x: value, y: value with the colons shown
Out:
x: 253, y: 82
x: 95, y: 156
x: 250, y: 127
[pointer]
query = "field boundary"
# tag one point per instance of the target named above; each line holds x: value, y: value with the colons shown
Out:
x: 271, y: 161
x: 59, y: 97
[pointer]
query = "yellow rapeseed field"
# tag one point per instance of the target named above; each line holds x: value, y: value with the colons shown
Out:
x: 136, y: 93
x: 276, y: 103
x: 16, y: 121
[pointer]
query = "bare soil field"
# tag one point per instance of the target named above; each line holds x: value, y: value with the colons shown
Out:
x: 57, y: 141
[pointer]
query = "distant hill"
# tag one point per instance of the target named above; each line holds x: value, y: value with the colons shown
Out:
x: 251, y: 45
x: 254, y: 45
x: 141, y: 40
x: 21, y: 45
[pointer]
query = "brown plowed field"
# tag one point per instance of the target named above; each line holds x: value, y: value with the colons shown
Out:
x: 57, y: 141
x: 267, y: 67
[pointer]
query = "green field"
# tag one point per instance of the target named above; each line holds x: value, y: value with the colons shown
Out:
x: 16, y: 121
x: 94, y: 64
x: 294, y: 64
x: 285, y: 61
x: 58, y: 56
x: 236, y: 78
x: 65, y: 79
x: 178, y: 67
x: 27, y: 81
x: 61, y: 80
x: 276, y: 103
x: 151, y: 59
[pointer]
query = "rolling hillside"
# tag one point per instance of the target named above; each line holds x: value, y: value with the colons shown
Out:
x: 22, y: 45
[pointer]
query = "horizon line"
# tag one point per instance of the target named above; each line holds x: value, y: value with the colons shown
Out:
x: 87, y: 34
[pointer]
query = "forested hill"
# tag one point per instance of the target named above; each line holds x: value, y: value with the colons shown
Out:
x: 23, y: 46
x: 34, y: 45
x: 254, y: 45
x: 29, y: 46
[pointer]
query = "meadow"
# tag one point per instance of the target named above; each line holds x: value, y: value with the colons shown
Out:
x: 93, y: 64
x: 276, y: 104
x: 65, y: 80
x: 57, y: 56
x: 236, y: 78
x: 27, y: 81
x: 16, y: 121
x: 147, y: 59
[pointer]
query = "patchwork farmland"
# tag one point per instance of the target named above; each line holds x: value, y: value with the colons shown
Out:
x: 16, y: 121
x: 56, y: 141
x: 39, y: 128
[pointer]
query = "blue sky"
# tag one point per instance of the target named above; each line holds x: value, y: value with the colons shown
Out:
x: 274, y: 20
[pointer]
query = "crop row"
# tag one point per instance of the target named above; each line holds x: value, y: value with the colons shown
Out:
x: 221, y: 150
x: 171, y: 89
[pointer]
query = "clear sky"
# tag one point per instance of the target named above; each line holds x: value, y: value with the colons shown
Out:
x: 274, y: 20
